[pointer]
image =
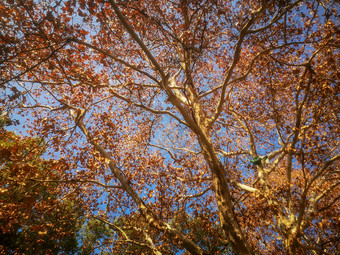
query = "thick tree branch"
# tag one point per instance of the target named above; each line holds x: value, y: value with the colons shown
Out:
x: 234, y: 153
x: 145, y: 211
x: 133, y: 34
x: 236, y: 57
x: 151, y: 247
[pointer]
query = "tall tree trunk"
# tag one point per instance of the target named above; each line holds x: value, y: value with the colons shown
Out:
x: 227, y: 215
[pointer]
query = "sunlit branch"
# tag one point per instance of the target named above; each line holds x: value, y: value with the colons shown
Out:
x: 61, y: 101
x: 61, y: 67
x: 113, y: 226
x: 79, y: 181
x: 235, y: 153
x: 195, y: 195
x: 271, y: 169
x: 187, y: 150
x: 147, y: 108
x: 325, y: 192
x: 42, y: 82
x: 144, y: 210
x: 133, y: 34
x: 145, y: 85
x: 312, y: 207
x: 246, y: 128
x: 314, y: 198
x: 176, y: 89
x: 64, y: 107
x: 27, y: 90
x: 238, y: 78
x: 297, y: 129
x: 174, y: 148
x: 276, y: 162
x: 267, y: 171
x: 245, y: 187
x: 99, y: 101
x: 273, y: 154
x: 163, y: 148
x: 236, y: 57
x: 172, y: 156
x: 280, y: 137
x: 140, y: 244
x: 194, y: 179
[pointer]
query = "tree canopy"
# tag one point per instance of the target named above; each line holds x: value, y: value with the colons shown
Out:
x: 202, y: 127
x: 34, y: 218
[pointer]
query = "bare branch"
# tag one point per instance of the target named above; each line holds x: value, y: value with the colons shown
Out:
x: 196, y: 195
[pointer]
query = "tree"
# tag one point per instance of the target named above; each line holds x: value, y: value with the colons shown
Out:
x: 165, y: 111
x: 34, y: 219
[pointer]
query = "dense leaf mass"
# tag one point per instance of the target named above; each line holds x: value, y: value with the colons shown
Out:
x: 33, y: 219
x: 159, y: 109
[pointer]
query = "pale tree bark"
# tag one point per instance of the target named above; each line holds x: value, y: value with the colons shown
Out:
x: 188, y: 109
x: 147, y: 213
x: 198, y: 123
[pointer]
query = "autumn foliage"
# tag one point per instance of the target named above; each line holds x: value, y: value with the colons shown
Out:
x: 203, y: 127
x: 34, y: 219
